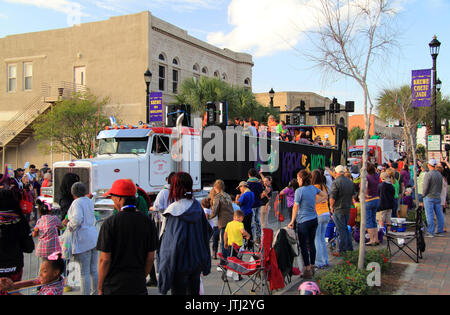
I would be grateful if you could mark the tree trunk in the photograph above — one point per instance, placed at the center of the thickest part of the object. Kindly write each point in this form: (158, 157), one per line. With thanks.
(363, 188)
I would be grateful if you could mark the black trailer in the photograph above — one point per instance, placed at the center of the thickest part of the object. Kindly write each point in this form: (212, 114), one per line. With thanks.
(283, 159)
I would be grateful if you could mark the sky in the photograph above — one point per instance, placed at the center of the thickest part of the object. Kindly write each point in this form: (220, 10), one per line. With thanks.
(274, 32)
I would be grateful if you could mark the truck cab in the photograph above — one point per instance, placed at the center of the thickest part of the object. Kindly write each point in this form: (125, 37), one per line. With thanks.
(145, 155)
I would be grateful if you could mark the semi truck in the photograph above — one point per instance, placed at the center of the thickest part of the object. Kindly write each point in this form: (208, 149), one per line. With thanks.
(147, 155)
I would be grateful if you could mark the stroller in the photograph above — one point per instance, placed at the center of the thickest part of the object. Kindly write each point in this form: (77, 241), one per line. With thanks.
(256, 267)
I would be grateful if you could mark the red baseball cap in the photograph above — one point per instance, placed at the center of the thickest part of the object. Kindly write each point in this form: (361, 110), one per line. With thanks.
(123, 188)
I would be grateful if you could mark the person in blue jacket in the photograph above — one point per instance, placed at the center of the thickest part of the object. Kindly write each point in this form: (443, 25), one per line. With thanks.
(184, 253)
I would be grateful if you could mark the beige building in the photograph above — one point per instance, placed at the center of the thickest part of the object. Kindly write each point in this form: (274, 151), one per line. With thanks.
(290, 101)
(108, 57)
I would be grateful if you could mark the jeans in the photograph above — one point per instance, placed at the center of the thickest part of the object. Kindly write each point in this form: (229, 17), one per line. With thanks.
(256, 224)
(248, 228)
(306, 234)
(88, 269)
(395, 208)
(319, 241)
(186, 284)
(345, 238)
(216, 238)
(225, 252)
(433, 207)
(371, 213)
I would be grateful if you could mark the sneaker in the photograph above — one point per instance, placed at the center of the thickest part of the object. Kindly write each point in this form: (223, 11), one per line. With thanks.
(219, 269)
(429, 235)
(439, 234)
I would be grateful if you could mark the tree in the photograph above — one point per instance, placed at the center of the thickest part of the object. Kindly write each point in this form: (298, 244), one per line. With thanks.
(71, 125)
(355, 134)
(400, 100)
(241, 102)
(348, 37)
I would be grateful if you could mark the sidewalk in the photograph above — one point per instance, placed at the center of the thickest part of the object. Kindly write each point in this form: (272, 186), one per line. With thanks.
(431, 276)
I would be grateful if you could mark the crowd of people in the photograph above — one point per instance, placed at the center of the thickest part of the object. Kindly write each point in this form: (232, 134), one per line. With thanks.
(168, 241)
(278, 129)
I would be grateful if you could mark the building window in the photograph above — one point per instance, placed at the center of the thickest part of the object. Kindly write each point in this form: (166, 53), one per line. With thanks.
(175, 61)
(195, 68)
(175, 81)
(224, 76)
(247, 81)
(12, 78)
(205, 70)
(216, 74)
(27, 76)
(162, 57)
(162, 77)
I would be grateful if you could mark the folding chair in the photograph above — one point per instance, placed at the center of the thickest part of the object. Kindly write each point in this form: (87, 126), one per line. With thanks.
(403, 240)
(251, 265)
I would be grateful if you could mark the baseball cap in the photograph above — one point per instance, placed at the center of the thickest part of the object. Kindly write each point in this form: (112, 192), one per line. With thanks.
(432, 162)
(340, 169)
(242, 184)
(123, 188)
(20, 169)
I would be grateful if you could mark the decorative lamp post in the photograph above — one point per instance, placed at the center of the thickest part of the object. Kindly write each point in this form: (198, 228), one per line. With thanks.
(148, 79)
(434, 51)
(438, 85)
(271, 94)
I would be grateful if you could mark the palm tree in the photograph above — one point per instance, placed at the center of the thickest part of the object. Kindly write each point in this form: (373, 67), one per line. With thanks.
(355, 134)
(241, 102)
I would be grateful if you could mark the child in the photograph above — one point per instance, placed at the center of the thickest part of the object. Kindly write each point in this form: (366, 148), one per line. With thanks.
(235, 232)
(50, 275)
(47, 228)
(407, 199)
(289, 192)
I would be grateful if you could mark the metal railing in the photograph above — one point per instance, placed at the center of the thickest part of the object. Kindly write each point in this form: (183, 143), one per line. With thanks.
(36, 107)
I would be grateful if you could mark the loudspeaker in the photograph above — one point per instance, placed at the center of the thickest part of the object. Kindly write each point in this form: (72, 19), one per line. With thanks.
(349, 106)
(174, 111)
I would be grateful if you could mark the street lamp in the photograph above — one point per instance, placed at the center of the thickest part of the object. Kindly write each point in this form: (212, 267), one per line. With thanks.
(438, 85)
(148, 79)
(271, 94)
(434, 51)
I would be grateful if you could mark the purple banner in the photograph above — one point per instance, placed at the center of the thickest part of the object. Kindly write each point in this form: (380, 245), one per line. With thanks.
(421, 88)
(156, 107)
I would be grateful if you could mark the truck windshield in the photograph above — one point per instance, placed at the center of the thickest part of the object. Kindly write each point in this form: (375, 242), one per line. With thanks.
(123, 146)
(356, 153)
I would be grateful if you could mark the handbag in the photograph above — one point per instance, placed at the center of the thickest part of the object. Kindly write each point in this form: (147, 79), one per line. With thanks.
(65, 240)
(25, 205)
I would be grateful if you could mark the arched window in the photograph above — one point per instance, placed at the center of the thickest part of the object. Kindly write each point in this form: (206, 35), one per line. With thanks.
(205, 70)
(216, 74)
(224, 76)
(162, 57)
(175, 61)
(196, 68)
(247, 81)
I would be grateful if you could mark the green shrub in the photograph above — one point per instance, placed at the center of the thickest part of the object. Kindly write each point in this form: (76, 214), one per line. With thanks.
(345, 279)
(380, 256)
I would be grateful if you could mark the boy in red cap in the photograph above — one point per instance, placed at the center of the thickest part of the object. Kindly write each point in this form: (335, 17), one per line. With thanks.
(127, 243)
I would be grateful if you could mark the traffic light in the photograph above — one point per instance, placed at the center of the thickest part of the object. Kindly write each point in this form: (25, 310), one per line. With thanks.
(337, 106)
(332, 107)
(302, 107)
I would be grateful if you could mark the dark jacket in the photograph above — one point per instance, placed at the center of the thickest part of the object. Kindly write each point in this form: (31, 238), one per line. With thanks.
(184, 244)
(285, 253)
(15, 238)
(386, 192)
(342, 190)
(257, 188)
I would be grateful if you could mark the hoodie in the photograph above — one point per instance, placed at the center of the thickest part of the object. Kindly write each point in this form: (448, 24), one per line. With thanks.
(184, 243)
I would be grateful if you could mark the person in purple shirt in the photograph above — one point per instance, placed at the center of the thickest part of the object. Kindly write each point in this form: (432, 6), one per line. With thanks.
(405, 175)
(372, 204)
